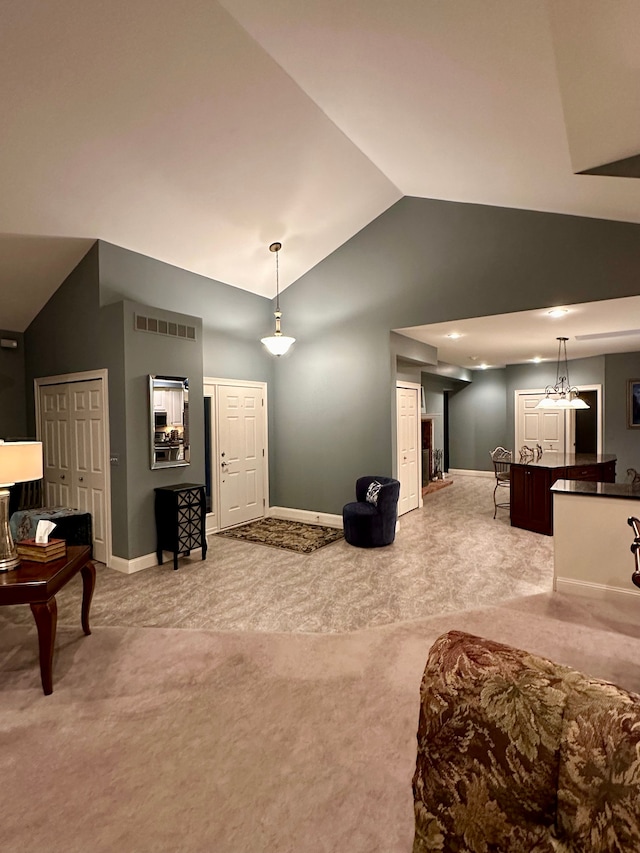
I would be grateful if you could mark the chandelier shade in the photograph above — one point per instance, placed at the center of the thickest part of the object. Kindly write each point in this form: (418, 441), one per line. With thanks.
(277, 343)
(562, 395)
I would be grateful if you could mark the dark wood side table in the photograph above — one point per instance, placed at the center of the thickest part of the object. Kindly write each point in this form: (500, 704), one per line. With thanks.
(180, 520)
(36, 584)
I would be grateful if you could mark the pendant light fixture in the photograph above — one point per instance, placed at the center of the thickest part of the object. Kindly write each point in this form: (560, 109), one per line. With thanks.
(277, 343)
(566, 396)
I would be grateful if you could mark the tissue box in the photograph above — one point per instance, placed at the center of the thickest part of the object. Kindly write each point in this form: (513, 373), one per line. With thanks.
(39, 552)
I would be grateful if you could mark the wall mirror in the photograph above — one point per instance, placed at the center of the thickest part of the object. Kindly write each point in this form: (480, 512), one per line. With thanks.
(169, 421)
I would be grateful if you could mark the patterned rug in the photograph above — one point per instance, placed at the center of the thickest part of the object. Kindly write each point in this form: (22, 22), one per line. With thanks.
(280, 533)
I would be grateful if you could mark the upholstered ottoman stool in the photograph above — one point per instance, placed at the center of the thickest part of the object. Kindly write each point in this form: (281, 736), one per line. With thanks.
(72, 525)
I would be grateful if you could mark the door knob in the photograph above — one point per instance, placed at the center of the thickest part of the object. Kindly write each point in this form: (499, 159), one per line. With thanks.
(81, 479)
(62, 476)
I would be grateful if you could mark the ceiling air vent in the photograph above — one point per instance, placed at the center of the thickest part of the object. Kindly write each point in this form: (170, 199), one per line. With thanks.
(164, 327)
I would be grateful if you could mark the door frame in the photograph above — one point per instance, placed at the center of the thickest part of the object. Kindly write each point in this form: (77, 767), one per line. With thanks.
(401, 383)
(101, 374)
(598, 388)
(213, 518)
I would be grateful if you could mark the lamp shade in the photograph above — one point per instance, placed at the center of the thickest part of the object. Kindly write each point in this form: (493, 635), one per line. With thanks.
(547, 403)
(278, 344)
(20, 461)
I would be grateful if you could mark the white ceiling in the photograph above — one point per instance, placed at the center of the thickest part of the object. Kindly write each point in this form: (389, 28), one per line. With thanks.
(592, 328)
(200, 132)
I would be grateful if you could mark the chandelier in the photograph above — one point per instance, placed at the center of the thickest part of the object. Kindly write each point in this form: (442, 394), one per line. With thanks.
(277, 343)
(562, 395)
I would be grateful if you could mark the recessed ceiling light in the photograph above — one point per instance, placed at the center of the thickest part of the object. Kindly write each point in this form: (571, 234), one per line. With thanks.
(557, 312)
(536, 360)
(483, 366)
(454, 336)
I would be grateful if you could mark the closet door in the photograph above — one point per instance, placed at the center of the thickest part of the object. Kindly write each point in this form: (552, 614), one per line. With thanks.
(72, 423)
(56, 441)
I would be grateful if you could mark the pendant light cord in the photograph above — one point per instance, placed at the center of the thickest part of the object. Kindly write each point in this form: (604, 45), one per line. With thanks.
(275, 247)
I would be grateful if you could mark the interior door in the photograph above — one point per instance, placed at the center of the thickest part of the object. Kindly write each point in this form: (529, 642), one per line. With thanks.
(545, 427)
(56, 444)
(407, 409)
(241, 443)
(72, 424)
(87, 462)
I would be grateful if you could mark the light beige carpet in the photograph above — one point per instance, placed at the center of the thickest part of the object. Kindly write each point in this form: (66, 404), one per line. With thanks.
(211, 730)
(176, 740)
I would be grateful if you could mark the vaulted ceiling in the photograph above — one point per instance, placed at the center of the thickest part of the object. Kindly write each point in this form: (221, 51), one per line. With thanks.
(199, 132)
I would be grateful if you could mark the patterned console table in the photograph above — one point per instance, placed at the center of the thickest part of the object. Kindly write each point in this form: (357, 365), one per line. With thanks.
(180, 520)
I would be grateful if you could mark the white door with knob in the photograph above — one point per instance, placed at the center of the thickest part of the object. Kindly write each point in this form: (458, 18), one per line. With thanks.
(408, 442)
(241, 453)
(545, 427)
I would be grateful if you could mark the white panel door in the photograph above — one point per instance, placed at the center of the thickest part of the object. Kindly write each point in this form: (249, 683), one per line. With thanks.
(87, 469)
(545, 427)
(407, 409)
(54, 414)
(241, 439)
(72, 426)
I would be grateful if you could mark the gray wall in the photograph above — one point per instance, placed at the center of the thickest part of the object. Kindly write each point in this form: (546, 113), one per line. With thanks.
(482, 416)
(422, 261)
(233, 321)
(145, 354)
(478, 420)
(530, 377)
(72, 334)
(13, 413)
(619, 439)
(332, 409)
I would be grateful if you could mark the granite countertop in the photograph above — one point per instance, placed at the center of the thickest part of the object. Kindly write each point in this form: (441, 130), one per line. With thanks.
(564, 460)
(589, 488)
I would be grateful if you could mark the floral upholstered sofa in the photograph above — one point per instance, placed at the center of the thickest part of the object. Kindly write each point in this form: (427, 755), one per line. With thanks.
(517, 754)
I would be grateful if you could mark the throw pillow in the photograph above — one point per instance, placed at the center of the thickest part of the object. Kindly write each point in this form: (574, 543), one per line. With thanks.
(372, 492)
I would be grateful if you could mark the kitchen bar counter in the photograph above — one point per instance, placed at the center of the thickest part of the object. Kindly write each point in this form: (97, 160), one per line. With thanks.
(604, 490)
(592, 540)
(532, 479)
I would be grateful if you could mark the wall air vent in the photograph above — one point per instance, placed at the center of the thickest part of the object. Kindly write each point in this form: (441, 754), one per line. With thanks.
(164, 327)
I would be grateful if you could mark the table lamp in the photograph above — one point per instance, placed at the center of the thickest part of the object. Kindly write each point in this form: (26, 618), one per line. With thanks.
(20, 461)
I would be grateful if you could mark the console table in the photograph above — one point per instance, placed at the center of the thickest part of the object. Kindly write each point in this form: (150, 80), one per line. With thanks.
(36, 584)
(531, 481)
(180, 520)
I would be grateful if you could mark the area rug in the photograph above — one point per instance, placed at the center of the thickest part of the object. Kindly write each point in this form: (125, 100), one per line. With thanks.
(281, 533)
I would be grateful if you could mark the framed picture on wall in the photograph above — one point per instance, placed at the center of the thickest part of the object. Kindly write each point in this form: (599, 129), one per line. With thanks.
(633, 404)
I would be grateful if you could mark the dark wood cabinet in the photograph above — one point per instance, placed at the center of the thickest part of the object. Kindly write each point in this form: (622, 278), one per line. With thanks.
(180, 520)
(531, 497)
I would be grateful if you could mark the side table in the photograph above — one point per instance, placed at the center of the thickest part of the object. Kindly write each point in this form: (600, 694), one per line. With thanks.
(36, 584)
(180, 520)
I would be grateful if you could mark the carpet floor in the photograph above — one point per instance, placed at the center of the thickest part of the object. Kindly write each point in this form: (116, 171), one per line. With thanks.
(451, 555)
(257, 740)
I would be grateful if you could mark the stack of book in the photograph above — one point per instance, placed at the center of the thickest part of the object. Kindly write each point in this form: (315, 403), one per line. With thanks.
(40, 552)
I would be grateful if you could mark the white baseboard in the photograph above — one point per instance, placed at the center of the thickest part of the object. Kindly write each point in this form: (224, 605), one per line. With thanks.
(470, 472)
(146, 561)
(306, 515)
(601, 591)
